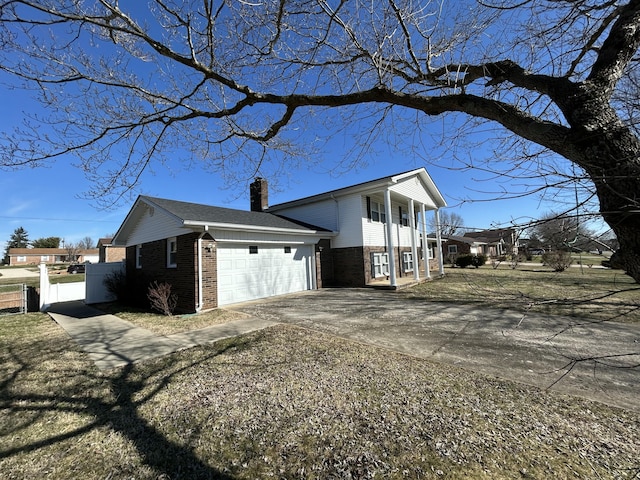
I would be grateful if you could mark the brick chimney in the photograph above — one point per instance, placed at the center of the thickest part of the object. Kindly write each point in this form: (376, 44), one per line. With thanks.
(259, 195)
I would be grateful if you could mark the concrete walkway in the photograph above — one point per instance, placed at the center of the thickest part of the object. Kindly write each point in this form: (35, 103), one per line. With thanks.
(112, 342)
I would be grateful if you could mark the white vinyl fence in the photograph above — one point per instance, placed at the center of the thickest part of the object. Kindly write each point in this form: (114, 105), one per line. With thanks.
(92, 290)
(57, 292)
(95, 274)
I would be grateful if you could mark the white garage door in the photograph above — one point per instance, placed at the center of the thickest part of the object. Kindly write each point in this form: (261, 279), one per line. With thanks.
(247, 272)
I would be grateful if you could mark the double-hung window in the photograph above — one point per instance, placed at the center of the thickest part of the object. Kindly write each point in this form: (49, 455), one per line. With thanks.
(377, 212)
(172, 252)
(404, 217)
(380, 264)
(407, 261)
(138, 256)
(453, 249)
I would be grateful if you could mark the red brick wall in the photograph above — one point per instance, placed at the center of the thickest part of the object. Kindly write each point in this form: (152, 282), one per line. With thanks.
(209, 273)
(184, 277)
(349, 267)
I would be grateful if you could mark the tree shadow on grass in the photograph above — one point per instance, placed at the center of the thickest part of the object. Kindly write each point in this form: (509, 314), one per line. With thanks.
(119, 412)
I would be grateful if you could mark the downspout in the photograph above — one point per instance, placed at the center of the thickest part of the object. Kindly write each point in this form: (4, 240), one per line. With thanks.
(439, 242)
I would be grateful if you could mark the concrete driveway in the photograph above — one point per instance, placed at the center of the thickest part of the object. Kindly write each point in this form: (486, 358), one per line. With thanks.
(599, 361)
(18, 273)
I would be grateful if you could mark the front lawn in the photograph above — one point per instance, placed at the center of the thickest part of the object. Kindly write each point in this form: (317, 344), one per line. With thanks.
(288, 403)
(599, 294)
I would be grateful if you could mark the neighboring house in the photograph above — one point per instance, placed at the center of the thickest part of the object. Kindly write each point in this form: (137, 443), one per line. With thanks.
(107, 252)
(36, 256)
(214, 256)
(491, 243)
(496, 242)
(462, 245)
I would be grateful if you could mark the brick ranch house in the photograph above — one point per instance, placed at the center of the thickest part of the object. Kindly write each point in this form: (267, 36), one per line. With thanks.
(370, 233)
(49, 256)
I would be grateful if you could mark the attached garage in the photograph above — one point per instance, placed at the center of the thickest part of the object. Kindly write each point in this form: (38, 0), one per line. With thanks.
(252, 271)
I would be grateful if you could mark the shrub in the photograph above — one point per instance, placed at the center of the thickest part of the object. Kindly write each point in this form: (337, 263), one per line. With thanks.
(161, 298)
(116, 284)
(463, 261)
(478, 260)
(470, 260)
(559, 260)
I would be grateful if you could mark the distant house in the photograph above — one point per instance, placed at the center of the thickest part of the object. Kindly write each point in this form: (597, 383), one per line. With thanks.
(355, 236)
(491, 243)
(107, 252)
(49, 256)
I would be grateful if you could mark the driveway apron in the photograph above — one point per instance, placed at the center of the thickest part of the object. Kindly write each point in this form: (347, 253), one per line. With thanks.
(595, 360)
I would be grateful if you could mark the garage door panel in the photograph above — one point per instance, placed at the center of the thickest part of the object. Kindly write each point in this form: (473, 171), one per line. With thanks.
(244, 276)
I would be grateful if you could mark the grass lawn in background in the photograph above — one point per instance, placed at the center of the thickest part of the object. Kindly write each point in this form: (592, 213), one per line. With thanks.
(288, 403)
(596, 293)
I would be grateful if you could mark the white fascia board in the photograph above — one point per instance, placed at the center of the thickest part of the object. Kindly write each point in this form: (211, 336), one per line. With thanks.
(256, 228)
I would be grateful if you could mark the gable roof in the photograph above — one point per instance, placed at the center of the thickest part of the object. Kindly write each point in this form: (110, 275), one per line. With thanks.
(199, 216)
(378, 183)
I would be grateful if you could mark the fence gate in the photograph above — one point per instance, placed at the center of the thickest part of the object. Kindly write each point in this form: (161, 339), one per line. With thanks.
(13, 299)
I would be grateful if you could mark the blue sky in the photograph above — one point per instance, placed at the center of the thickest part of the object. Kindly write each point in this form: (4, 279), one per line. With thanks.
(47, 201)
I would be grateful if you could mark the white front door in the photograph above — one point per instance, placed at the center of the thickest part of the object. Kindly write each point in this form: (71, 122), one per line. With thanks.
(248, 272)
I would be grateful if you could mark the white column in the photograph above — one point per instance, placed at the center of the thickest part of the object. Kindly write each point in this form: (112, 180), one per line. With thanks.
(414, 248)
(425, 243)
(439, 242)
(392, 258)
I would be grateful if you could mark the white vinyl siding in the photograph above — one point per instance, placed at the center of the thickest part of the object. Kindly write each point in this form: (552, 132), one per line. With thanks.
(155, 227)
(323, 214)
(412, 187)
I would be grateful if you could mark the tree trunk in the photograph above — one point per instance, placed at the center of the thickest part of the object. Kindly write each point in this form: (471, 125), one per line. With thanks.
(610, 154)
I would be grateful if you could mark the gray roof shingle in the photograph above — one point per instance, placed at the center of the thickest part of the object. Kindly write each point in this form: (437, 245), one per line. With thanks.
(208, 214)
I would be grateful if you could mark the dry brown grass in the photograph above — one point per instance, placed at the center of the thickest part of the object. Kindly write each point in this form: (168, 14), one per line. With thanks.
(288, 403)
(168, 325)
(599, 294)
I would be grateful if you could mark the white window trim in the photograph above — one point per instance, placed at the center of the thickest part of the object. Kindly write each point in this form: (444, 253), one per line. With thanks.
(377, 210)
(379, 264)
(407, 261)
(404, 217)
(138, 256)
(452, 249)
(172, 251)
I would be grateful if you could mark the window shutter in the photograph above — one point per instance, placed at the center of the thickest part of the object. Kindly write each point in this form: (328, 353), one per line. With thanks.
(399, 216)
(369, 208)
